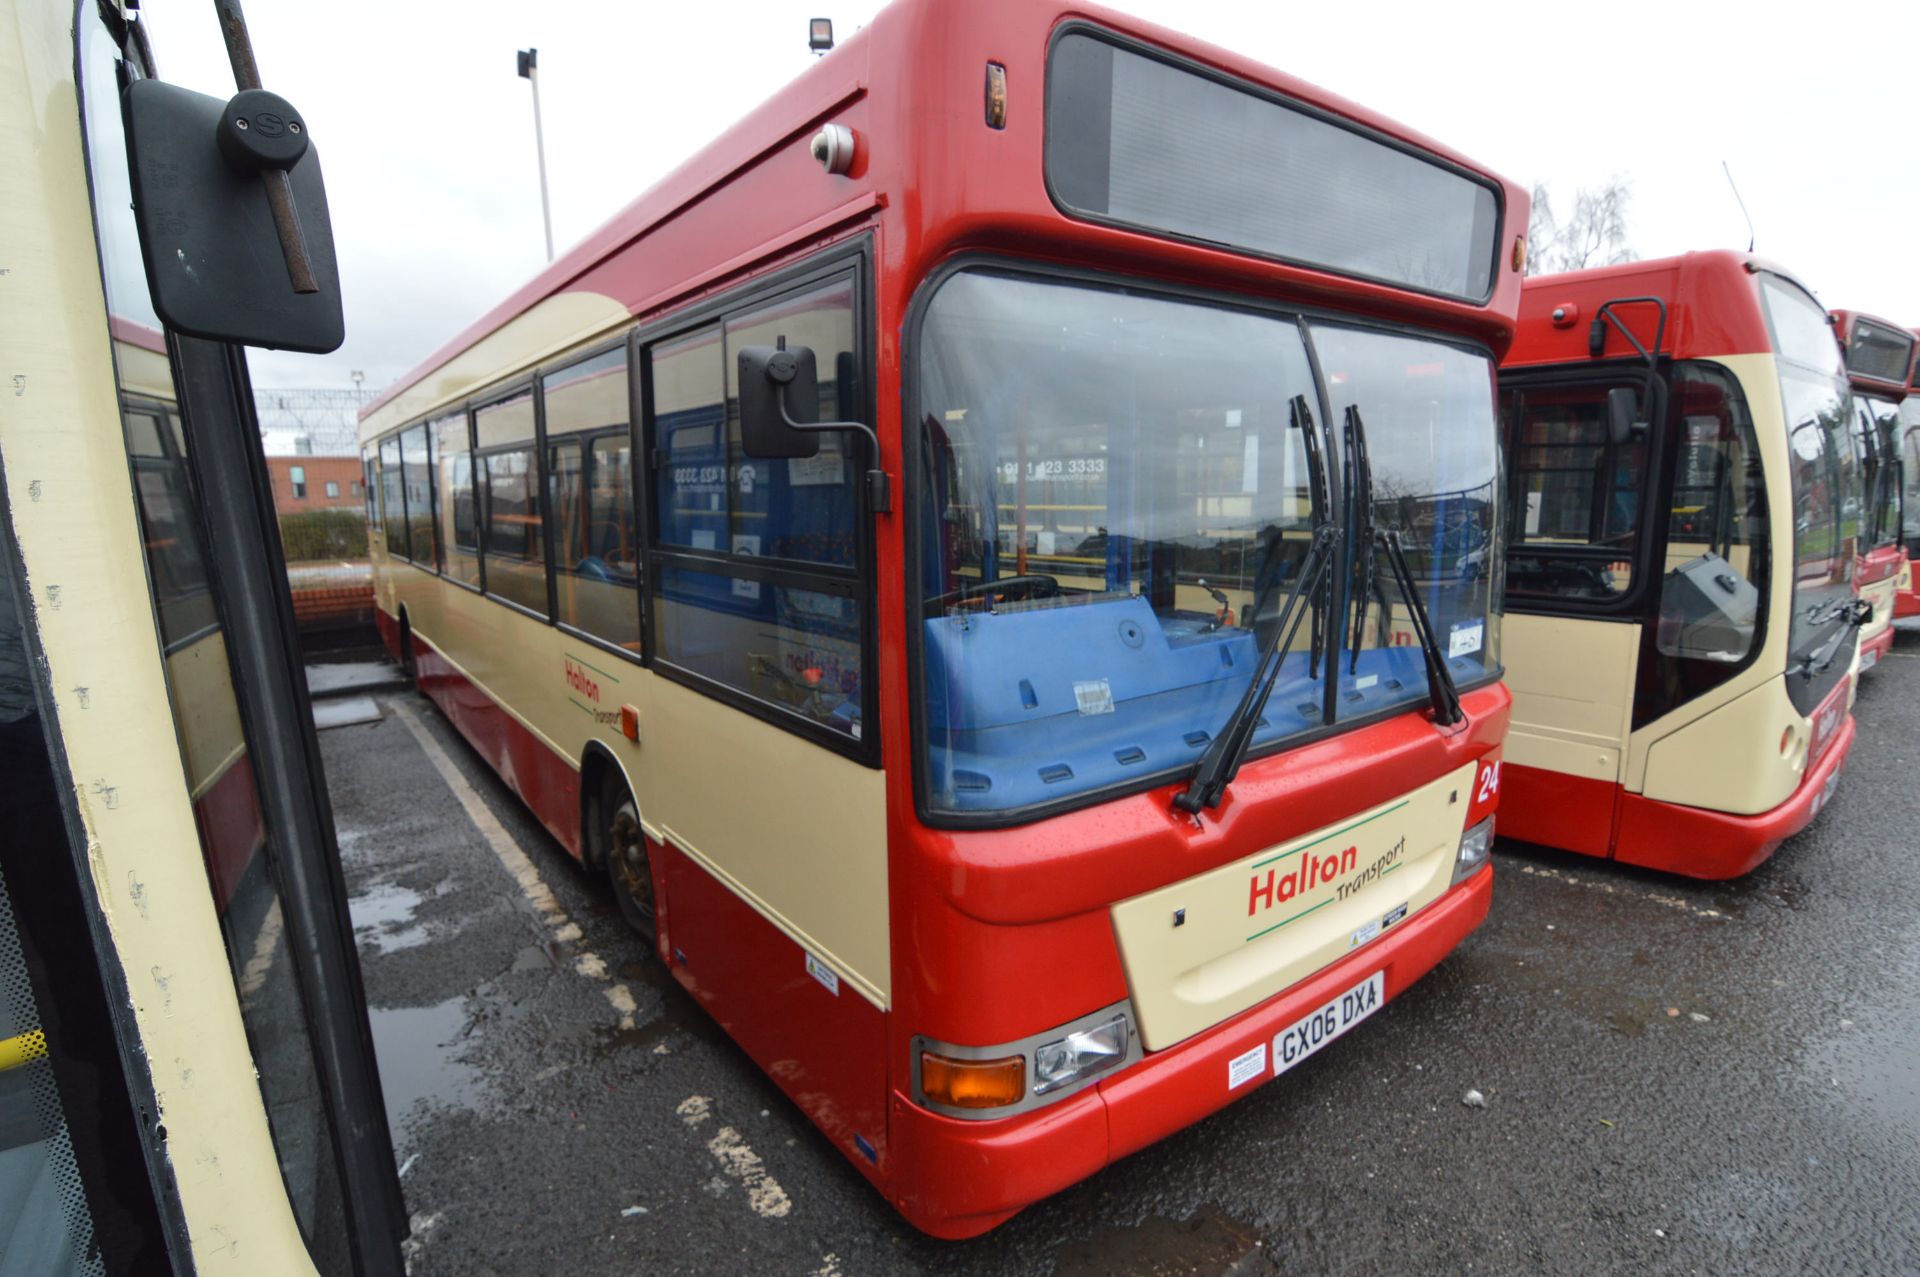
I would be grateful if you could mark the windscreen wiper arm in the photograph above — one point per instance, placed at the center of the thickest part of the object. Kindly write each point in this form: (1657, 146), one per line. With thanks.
(1311, 585)
(1855, 612)
(1373, 539)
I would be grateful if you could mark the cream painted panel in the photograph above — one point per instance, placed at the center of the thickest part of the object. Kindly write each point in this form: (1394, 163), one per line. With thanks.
(796, 830)
(1262, 924)
(208, 715)
(548, 328)
(1730, 760)
(79, 538)
(1572, 685)
(1880, 594)
(1759, 382)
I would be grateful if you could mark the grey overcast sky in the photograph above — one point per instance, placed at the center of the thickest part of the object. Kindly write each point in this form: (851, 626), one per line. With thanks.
(427, 132)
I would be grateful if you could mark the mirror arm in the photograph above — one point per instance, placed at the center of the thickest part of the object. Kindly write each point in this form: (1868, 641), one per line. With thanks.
(278, 185)
(879, 489)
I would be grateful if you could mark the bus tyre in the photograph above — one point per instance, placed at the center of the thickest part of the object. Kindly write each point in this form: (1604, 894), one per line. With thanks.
(626, 844)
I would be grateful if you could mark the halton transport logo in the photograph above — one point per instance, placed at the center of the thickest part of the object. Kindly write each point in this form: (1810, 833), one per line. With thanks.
(580, 681)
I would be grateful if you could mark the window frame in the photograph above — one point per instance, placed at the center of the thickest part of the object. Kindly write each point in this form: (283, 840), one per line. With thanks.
(493, 396)
(851, 260)
(1083, 27)
(637, 468)
(1640, 601)
(1303, 314)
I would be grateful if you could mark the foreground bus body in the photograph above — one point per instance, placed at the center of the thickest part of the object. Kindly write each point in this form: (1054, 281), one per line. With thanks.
(1668, 711)
(1879, 358)
(904, 780)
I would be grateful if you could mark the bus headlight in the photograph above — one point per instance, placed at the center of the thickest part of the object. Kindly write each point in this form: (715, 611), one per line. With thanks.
(1079, 1055)
(1476, 848)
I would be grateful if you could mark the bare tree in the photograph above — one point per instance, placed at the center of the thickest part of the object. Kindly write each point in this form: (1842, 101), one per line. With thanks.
(1594, 234)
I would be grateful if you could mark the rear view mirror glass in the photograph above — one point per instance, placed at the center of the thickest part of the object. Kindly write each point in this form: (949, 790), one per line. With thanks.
(214, 262)
(779, 396)
(1621, 411)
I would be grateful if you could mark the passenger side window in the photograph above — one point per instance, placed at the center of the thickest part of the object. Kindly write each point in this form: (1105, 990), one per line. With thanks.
(511, 536)
(459, 530)
(1576, 500)
(422, 534)
(596, 563)
(393, 502)
(757, 588)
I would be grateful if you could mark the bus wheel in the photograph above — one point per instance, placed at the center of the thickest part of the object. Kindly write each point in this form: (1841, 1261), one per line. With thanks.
(626, 845)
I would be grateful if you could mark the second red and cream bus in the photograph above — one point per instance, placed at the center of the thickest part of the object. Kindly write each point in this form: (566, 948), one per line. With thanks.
(1685, 510)
(1879, 358)
(998, 558)
(1906, 597)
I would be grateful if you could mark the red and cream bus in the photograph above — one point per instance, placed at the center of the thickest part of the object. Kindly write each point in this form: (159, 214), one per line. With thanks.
(1906, 597)
(997, 557)
(1879, 360)
(1685, 509)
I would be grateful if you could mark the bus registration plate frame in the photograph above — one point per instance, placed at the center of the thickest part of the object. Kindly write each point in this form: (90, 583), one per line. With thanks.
(1317, 1028)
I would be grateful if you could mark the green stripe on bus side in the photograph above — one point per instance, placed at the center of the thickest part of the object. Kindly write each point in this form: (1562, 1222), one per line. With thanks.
(595, 668)
(1262, 864)
(584, 708)
(1296, 917)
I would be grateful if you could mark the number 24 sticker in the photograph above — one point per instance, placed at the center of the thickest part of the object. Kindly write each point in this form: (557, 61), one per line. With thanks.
(1489, 787)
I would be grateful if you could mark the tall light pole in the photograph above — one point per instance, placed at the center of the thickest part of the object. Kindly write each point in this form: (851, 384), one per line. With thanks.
(530, 72)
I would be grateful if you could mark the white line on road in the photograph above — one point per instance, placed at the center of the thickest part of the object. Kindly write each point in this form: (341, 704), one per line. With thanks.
(737, 1160)
(265, 945)
(517, 864)
(1612, 889)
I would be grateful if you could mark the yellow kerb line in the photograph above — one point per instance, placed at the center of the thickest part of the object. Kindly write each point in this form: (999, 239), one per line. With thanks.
(24, 1049)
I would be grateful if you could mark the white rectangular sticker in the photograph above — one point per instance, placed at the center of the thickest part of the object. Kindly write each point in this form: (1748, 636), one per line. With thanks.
(1306, 1035)
(1242, 1069)
(824, 974)
(1465, 639)
(1867, 660)
(1095, 697)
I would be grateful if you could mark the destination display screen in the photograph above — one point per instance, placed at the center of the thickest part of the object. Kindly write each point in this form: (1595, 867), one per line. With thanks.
(1138, 141)
(1879, 351)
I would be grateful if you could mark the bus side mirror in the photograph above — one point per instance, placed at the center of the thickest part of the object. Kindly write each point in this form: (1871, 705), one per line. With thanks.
(1620, 415)
(780, 413)
(215, 266)
(779, 402)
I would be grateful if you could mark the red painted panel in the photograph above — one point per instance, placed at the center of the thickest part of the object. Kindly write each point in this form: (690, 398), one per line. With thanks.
(1554, 809)
(1878, 564)
(1907, 602)
(227, 817)
(1711, 844)
(826, 1050)
(1713, 309)
(1844, 323)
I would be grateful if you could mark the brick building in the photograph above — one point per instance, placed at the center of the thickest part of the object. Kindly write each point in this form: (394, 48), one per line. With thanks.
(315, 483)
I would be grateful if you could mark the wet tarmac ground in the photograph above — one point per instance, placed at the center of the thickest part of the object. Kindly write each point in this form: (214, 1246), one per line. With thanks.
(1678, 1076)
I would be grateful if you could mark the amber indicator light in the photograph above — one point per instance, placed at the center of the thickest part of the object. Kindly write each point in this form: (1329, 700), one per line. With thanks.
(973, 1084)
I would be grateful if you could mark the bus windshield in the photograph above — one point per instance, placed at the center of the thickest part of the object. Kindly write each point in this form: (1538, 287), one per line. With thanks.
(1116, 496)
(1828, 497)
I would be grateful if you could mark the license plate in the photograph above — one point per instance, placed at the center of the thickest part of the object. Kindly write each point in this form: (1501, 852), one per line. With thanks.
(1826, 792)
(1868, 660)
(1306, 1035)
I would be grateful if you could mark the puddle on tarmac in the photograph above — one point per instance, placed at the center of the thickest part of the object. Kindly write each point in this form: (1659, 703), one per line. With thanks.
(383, 917)
(417, 1049)
(1207, 1245)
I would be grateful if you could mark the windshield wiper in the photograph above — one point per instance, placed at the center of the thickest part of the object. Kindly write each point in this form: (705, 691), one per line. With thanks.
(1312, 589)
(1855, 612)
(1371, 539)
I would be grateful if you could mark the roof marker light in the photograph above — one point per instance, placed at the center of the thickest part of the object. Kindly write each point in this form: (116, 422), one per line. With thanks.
(996, 96)
(820, 34)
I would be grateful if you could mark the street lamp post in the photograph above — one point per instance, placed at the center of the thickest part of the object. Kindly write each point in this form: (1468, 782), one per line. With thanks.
(530, 72)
